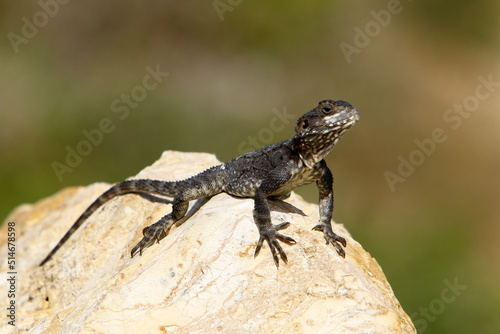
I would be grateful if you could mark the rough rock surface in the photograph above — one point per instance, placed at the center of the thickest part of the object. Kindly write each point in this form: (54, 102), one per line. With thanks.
(202, 278)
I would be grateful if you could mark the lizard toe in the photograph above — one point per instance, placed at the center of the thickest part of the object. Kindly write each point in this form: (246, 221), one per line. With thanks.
(152, 234)
(271, 237)
(331, 238)
(286, 239)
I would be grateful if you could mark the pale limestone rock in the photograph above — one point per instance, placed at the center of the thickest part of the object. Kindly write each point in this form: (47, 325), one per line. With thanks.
(202, 278)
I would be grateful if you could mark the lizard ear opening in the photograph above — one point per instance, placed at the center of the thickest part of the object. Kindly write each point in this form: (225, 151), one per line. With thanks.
(304, 124)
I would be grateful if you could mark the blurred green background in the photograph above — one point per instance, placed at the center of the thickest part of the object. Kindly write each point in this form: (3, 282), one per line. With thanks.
(408, 66)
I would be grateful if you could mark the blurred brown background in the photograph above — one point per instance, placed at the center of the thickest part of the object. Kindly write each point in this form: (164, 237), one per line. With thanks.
(417, 179)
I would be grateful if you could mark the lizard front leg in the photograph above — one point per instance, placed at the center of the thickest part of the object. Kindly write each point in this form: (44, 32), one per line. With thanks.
(325, 187)
(262, 216)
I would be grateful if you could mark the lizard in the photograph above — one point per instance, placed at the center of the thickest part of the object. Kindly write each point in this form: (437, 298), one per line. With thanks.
(267, 173)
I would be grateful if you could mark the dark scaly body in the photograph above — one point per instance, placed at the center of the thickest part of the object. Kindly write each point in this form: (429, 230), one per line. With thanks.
(271, 172)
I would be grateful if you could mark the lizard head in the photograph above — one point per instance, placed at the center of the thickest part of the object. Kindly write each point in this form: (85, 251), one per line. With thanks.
(319, 130)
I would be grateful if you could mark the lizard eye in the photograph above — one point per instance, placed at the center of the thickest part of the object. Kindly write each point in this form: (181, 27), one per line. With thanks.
(327, 109)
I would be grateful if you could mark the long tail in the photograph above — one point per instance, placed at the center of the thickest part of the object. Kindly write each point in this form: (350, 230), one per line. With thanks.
(131, 186)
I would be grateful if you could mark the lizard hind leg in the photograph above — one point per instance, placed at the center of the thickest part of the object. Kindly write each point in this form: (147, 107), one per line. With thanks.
(153, 233)
(159, 230)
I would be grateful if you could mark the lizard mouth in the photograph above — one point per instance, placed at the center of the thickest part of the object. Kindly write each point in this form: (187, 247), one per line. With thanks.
(337, 125)
(343, 120)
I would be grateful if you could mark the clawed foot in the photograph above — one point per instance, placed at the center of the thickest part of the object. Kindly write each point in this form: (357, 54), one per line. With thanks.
(270, 236)
(332, 238)
(153, 233)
